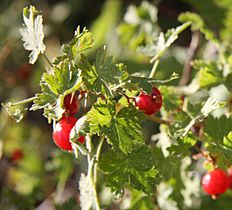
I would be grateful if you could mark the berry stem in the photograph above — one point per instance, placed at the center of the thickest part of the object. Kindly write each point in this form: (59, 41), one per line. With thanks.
(126, 96)
(28, 100)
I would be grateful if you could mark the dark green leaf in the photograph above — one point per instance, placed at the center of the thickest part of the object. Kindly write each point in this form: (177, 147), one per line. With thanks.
(228, 82)
(217, 128)
(135, 169)
(103, 75)
(121, 126)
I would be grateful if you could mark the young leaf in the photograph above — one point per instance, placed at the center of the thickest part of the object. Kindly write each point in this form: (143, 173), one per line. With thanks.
(81, 42)
(135, 169)
(122, 128)
(32, 33)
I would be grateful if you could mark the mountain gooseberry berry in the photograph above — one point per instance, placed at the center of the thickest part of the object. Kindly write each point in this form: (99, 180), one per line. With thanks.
(150, 104)
(230, 177)
(215, 182)
(157, 98)
(71, 104)
(17, 155)
(62, 131)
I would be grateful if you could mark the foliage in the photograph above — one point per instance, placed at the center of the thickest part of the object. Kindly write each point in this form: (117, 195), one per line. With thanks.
(159, 167)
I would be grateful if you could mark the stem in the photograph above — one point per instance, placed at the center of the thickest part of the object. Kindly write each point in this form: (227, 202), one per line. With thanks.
(28, 100)
(190, 55)
(91, 165)
(118, 86)
(159, 120)
(157, 57)
(153, 70)
(47, 60)
(97, 158)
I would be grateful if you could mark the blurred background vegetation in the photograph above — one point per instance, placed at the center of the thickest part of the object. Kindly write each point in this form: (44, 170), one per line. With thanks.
(34, 173)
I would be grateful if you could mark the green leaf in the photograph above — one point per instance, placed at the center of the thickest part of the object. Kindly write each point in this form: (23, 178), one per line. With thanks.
(228, 82)
(227, 140)
(102, 75)
(218, 128)
(181, 121)
(139, 201)
(197, 24)
(81, 42)
(209, 73)
(171, 101)
(55, 85)
(222, 155)
(135, 169)
(121, 126)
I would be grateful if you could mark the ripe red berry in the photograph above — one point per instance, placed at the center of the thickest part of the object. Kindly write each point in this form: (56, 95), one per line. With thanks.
(230, 177)
(71, 104)
(215, 182)
(17, 155)
(150, 104)
(157, 98)
(62, 131)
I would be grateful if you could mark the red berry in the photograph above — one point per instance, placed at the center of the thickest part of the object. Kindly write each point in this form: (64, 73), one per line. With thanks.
(157, 98)
(230, 177)
(71, 104)
(150, 104)
(215, 182)
(62, 131)
(17, 155)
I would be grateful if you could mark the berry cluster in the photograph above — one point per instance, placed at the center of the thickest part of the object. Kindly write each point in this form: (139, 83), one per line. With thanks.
(63, 128)
(149, 103)
(216, 182)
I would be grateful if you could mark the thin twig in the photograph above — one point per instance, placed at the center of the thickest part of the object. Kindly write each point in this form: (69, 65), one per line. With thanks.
(154, 67)
(47, 60)
(28, 100)
(159, 120)
(190, 55)
(126, 96)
